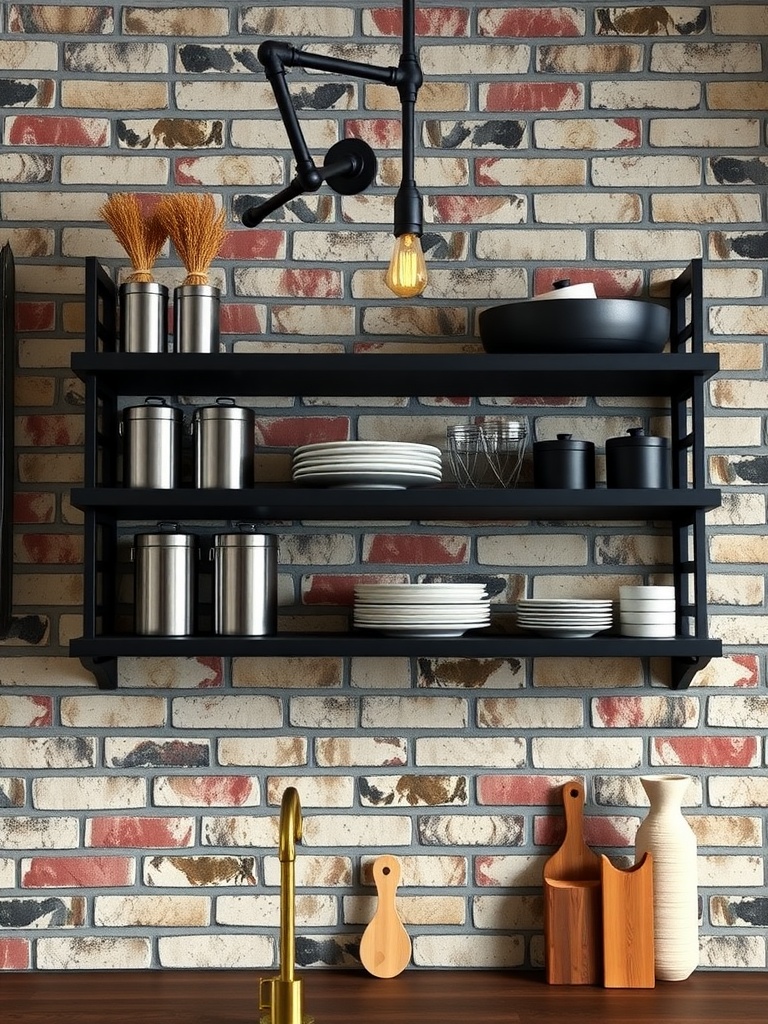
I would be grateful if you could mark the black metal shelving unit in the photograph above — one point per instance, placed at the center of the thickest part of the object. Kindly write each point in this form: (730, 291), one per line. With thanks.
(678, 375)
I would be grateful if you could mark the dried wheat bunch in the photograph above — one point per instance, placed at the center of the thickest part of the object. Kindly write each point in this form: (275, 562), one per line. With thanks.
(142, 237)
(196, 229)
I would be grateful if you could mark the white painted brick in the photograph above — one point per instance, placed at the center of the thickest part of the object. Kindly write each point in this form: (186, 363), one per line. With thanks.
(414, 713)
(738, 791)
(94, 953)
(349, 751)
(287, 672)
(433, 871)
(312, 871)
(324, 712)
(277, 751)
(624, 246)
(748, 712)
(45, 752)
(743, 952)
(461, 951)
(577, 753)
(123, 170)
(508, 912)
(704, 132)
(105, 711)
(705, 58)
(412, 910)
(532, 550)
(467, 59)
(155, 911)
(510, 871)
(29, 55)
(313, 790)
(50, 833)
(387, 673)
(88, 793)
(245, 711)
(726, 830)
(735, 589)
(566, 208)
(657, 171)
(649, 95)
(339, 830)
(736, 871)
(471, 751)
(525, 713)
(530, 245)
(215, 951)
(263, 911)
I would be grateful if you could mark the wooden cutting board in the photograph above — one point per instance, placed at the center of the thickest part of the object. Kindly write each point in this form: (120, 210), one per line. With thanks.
(628, 924)
(572, 902)
(385, 948)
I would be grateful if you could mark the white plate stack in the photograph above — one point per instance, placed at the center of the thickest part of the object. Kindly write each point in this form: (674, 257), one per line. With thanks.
(565, 617)
(385, 465)
(422, 609)
(647, 611)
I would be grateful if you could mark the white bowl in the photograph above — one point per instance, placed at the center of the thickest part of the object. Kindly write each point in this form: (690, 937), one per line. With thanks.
(628, 629)
(648, 618)
(638, 604)
(650, 592)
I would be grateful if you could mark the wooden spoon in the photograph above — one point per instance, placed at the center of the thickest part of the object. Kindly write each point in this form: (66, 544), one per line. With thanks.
(385, 947)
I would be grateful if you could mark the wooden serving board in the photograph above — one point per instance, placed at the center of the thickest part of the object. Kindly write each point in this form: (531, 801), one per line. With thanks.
(628, 924)
(385, 947)
(572, 902)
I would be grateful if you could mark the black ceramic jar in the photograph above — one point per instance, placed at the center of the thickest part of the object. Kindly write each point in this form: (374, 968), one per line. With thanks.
(564, 462)
(637, 459)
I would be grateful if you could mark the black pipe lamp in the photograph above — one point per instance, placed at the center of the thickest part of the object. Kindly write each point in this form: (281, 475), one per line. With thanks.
(350, 165)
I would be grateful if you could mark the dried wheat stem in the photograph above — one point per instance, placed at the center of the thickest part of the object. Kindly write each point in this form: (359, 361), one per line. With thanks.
(196, 229)
(142, 237)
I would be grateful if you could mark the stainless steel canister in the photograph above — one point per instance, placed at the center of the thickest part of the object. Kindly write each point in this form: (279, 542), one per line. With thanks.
(143, 317)
(223, 436)
(245, 584)
(152, 435)
(196, 318)
(164, 584)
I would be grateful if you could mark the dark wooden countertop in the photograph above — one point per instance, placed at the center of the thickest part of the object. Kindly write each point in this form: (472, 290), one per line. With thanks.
(354, 997)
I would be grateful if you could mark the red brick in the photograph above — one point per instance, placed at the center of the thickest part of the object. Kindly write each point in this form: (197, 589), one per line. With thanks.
(15, 955)
(707, 751)
(751, 666)
(513, 96)
(212, 790)
(315, 284)
(49, 431)
(410, 549)
(52, 548)
(35, 316)
(466, 210)
(296, 430)
(380, 132)
(247, 244)
(598, 831)
(34, 507)
(522, 790)
(528, 22)
(339, 590)
(70, 132)
(77, 872)
(440, 21)
(140, 833)
(239, 318)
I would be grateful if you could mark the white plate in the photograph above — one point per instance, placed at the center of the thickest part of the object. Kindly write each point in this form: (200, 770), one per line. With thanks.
(567, 632)
(419, 601)
(377, 480)
(374, 461)
(562, 602)
(370, 466)
(428, 591)
(367, 446)
(576, 620)
(424, 631)
(412, 615)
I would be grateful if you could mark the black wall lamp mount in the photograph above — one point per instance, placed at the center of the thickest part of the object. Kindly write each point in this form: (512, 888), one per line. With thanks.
(350, 165)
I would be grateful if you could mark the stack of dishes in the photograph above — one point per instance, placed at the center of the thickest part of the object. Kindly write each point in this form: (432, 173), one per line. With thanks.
(386, 465)
(647, 611)
(422, 609)
(564, 617)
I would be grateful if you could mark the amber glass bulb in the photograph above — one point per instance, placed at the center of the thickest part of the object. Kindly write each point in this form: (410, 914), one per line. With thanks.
(407, 272)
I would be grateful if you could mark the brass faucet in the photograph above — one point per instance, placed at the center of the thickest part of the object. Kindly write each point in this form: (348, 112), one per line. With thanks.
(283, 996)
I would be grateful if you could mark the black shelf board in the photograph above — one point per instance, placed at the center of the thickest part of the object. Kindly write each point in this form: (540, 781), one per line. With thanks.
(307, 503)
(359, 644)
(253, 374)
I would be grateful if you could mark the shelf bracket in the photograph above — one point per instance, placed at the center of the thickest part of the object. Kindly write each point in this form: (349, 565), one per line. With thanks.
(682, 670)
(103, 669)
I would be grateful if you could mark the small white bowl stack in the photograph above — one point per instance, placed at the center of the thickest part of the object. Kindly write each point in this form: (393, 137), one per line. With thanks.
(422, 609)
(647, 611)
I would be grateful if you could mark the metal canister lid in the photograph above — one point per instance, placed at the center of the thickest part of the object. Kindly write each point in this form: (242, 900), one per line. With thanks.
(164, 540)
(143, 288)
(224, 409)
(636, 437)
(244, 540)
(154, 408)
(564, 442)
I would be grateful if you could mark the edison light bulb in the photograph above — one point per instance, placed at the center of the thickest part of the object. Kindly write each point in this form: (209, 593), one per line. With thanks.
(407, 272)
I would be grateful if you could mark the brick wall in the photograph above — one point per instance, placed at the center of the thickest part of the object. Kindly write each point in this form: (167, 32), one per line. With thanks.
(138, 828)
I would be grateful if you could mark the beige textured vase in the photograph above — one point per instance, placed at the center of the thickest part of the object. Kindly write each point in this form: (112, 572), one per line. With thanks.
(668, 837)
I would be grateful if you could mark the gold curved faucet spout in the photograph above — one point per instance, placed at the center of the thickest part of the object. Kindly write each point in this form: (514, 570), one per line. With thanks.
(283, 996)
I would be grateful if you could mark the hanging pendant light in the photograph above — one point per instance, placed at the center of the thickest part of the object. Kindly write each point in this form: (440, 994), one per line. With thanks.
(350, 165)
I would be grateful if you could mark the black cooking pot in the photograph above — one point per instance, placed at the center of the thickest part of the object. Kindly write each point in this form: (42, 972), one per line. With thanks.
(575, 325)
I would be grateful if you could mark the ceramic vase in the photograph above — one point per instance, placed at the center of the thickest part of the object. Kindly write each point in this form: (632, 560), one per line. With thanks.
(668, 837)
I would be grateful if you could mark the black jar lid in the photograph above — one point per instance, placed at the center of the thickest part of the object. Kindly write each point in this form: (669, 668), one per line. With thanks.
(564, 443)
(636, 437)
